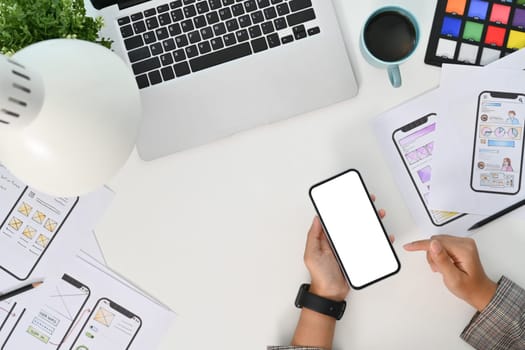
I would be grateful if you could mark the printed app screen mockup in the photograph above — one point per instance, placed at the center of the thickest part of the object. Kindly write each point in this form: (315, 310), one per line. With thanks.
(109, 327)
(29, 228)
(415, 146)
(498, 147)
(8, 314)
(47, 328)
(352, 225)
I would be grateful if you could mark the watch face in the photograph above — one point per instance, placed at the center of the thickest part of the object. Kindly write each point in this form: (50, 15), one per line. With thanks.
(342, 311)
(300, 295)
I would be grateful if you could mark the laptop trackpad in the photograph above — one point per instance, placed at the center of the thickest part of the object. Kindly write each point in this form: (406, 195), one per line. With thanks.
(242, 94)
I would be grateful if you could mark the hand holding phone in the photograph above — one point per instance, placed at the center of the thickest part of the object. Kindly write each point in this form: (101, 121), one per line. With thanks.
(327, 280)
(353, 229)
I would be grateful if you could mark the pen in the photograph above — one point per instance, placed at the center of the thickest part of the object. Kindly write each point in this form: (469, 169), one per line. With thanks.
(497, 215)
(19, 291)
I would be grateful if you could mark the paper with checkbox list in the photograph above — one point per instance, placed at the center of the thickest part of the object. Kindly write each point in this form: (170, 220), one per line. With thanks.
(82, 304)
(86, 306)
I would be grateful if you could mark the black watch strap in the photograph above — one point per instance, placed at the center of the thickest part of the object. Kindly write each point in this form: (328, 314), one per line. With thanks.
(328, 307)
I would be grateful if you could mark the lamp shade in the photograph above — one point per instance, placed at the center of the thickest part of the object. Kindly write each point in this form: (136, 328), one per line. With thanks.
(70, 114)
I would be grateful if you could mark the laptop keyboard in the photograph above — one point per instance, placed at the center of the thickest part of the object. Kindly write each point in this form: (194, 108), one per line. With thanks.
(187, 36)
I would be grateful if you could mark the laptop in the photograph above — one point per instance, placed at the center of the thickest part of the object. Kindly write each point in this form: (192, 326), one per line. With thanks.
(207, 69)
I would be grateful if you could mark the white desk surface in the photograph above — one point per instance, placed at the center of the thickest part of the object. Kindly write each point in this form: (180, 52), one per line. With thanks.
(218, 232)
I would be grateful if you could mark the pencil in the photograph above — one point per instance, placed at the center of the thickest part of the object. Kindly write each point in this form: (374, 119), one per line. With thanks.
(497, 215)
(19, 291)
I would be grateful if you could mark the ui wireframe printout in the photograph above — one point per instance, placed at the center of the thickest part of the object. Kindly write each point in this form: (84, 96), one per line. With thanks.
(415, 145)
(498, 143)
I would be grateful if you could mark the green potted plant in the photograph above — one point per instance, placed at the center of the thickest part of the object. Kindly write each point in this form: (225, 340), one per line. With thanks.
(25, 22)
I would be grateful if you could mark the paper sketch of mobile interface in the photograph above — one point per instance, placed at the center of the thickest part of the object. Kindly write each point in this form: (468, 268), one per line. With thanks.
(5, 310)
(46, 326)
(28, 229)
(10, 190)
(110, 326)
(415, 144)
(498, 147)
(8, 315)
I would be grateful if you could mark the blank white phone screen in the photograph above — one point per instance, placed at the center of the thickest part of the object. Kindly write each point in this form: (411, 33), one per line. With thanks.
(352, 225)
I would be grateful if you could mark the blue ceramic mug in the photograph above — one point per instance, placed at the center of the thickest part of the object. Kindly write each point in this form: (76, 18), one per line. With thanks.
(389, 37)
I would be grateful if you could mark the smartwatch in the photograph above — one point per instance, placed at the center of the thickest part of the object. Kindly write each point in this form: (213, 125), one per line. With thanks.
(328, 307)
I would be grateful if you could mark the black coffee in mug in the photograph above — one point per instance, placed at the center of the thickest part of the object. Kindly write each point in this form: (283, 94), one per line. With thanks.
(390, 36)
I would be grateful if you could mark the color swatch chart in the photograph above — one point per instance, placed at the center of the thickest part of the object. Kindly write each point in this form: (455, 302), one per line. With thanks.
(476, 32)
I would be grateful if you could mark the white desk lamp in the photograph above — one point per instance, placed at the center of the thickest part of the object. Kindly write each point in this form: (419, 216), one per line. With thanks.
(69, 115)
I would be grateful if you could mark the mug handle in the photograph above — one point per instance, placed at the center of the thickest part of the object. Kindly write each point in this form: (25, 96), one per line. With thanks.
(395, 75)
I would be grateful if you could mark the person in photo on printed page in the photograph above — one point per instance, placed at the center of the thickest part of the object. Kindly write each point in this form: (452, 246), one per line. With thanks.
(499, 322)
(512, 118)
(506, 166)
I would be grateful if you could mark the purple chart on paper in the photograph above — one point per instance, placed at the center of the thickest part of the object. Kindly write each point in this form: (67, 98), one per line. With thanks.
(424, 174)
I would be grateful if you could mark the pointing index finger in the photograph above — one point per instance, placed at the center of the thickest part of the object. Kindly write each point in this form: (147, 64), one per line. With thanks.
(423, 244)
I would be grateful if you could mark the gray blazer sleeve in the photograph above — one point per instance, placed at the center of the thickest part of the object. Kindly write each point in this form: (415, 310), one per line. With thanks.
(292, 348)
(501, 325)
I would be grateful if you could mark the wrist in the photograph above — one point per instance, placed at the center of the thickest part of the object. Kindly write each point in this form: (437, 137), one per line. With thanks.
(333, 293)
(328, 307)
(484, 295)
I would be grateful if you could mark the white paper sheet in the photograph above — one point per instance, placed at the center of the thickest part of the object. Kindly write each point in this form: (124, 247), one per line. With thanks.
(515, 60)
(36, 259)
(11, 309)
(87, 306)
(92, 248)
(456, 184)
(385, 126)
(39, 230)
(96, 262)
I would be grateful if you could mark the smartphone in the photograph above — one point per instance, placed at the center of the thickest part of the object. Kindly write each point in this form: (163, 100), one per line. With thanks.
(28, 230)
(50, 325)
(110, 326)
(354, 229)
(415, 145)
(498, 143)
